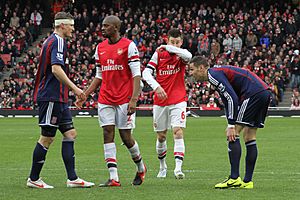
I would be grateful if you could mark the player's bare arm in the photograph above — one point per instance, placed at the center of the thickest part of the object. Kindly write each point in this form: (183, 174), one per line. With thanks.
(62, 77)
(135, 95)
(96, 83)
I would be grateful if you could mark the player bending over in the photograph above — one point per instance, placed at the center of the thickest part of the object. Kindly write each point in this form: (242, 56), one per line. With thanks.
(246, 98)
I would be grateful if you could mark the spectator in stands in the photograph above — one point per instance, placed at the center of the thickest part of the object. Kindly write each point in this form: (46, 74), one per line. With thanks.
(265, 40)
(215, 47)
(227, 42)
(14, 21)
(295, 71)
(251, 40)
(211, 103)
(237, 43)
(203, 44)
(295, 105)
(36, 18)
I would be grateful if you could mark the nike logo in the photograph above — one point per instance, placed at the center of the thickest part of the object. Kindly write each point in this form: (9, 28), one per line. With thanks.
(81, 183)
(101, 53)
(232, 184)
(38, 185)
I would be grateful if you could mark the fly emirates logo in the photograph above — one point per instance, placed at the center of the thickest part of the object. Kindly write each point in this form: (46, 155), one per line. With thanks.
(169, 71)
(111, 66)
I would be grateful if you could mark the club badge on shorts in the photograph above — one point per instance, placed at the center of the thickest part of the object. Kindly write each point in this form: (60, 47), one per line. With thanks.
(53, 120)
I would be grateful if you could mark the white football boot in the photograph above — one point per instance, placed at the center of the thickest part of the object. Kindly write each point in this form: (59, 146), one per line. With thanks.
(179, 174)
(79, 183)
(162, 173)
(38, 184)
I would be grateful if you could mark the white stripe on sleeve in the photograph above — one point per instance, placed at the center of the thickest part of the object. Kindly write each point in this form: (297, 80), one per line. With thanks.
(136, 65)
(213, 80)
(230, 108)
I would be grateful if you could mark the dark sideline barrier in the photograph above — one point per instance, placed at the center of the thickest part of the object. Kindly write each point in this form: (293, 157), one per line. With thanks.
(140, 113)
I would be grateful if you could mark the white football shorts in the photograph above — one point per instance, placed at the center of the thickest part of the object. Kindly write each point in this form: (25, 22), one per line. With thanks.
(167, 117)
(115, 115)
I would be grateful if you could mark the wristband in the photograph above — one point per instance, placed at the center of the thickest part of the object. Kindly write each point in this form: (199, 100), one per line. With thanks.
(230, 126)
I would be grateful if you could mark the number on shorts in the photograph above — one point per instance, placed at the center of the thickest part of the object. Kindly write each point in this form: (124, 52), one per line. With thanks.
(129, 118)
(182, 115)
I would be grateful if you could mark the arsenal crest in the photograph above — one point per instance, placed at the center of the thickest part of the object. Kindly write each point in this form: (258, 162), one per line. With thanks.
(120, 51)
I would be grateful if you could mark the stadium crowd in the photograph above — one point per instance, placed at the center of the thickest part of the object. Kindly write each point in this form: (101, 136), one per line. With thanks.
(262, 38)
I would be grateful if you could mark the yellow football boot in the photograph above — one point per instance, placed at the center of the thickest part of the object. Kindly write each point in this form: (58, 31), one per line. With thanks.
(229, 183)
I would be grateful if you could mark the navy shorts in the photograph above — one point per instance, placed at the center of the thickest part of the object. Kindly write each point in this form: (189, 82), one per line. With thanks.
(252, 112)
(53, 115)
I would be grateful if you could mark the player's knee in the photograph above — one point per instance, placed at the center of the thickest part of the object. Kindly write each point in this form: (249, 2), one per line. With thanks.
(248, 138)
(178, 133)
(108, 134)
(46, 141)
(64, 128)
(249, 134)
(71, 134)
(162, 136)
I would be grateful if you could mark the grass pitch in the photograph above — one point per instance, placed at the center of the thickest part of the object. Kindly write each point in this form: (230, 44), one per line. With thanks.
(277, 174)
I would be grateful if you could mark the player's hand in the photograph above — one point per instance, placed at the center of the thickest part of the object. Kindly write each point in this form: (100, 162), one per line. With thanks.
(161, 94)
(230, 133)
(80, 94)
(131, 107)
(78, 103)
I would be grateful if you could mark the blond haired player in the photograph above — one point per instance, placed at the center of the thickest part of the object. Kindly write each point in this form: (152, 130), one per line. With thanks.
(51, 94)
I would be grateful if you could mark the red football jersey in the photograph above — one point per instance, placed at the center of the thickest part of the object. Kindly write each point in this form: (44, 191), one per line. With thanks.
(170, 70)
(117, 81)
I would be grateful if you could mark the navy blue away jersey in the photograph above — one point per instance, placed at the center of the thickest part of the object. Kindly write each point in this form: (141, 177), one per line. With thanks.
(235, 85)
(47, 87)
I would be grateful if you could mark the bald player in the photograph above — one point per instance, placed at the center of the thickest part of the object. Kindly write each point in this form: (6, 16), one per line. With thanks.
(118, 75)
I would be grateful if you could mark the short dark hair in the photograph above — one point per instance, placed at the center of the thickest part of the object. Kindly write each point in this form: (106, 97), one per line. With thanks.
(63, 15)
(199, 60)
(175, 33)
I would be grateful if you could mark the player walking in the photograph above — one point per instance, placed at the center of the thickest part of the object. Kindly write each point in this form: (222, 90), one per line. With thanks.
(119, 75)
